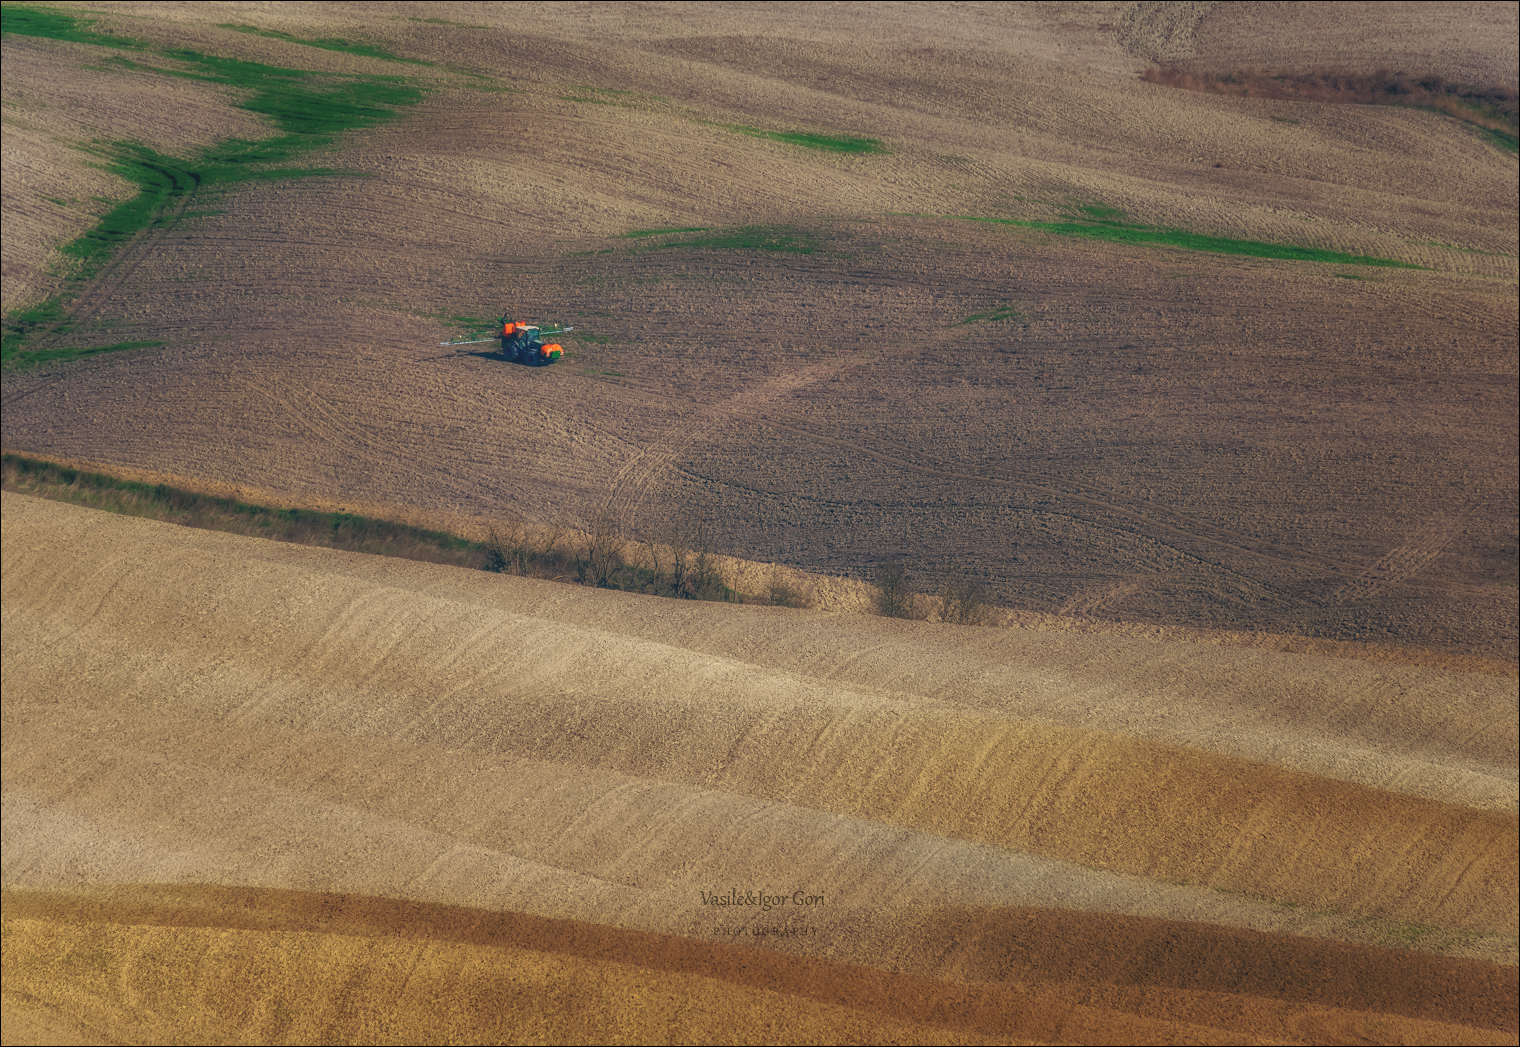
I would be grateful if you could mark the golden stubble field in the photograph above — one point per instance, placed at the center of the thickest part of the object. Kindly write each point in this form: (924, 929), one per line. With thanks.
(399, 801)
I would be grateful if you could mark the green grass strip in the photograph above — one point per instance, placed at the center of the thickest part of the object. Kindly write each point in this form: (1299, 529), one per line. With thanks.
(808, 140)
(1503, 139)
(42, 356)
(1007, 312)
(22, 323)
(1143, 234)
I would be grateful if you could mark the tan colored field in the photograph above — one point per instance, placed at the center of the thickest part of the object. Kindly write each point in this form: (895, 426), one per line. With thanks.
(304, 769)
(390, 801)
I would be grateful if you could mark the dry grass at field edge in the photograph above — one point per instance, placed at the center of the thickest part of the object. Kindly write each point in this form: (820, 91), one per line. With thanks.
(839, 594)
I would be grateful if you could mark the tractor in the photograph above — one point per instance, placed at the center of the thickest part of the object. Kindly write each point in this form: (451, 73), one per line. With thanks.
(522, 343)
(525, 343)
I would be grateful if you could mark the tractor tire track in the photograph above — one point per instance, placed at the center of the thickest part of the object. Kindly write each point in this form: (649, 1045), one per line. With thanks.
(317, 418)
(1428, 542)
(32, 390)
(104, 286)
(636, 479)
(1184, 530)
(1092, 602)
(1221, 540)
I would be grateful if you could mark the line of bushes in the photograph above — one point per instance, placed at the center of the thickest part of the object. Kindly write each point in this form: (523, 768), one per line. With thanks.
(1495, 110)
(684, 566)
(683, 563)
(961, 600)
(335, 530)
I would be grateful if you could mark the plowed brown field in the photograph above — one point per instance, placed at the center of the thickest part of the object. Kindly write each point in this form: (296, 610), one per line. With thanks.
(398, 802)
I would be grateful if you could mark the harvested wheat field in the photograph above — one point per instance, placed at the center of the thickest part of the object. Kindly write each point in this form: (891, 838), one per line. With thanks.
(1213, 394)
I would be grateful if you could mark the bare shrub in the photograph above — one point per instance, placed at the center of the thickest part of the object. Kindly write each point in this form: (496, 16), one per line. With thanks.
(544, 548)
(695, 568)
(515, 548)
(704, 577)
(507, 548)
(785, 591)
(648, 558)
(896, 593)
(963, 601)
(601, 553)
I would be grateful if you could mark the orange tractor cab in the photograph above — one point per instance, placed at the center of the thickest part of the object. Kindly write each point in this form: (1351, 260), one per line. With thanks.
(525, 343)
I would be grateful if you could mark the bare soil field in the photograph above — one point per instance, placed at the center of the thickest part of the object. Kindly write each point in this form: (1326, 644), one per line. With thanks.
(494, 808)
(1476, 43)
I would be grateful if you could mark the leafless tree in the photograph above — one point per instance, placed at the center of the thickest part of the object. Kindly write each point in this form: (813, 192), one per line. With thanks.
(963, 601)
(896, 594)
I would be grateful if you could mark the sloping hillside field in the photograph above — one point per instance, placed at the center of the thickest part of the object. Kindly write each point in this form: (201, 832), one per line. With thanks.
(394, 799)
(944, 286)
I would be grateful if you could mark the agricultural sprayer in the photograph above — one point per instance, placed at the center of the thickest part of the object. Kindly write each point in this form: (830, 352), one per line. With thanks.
(522, 342)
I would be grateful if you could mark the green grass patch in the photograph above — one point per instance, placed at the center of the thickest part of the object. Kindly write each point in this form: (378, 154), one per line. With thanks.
(751, 238)
(42, 356)
(808, 140)
(1007, 312)
(1101, 213)
(21, 323)
(159, 180)
(55, 25)
(1122, 232)
(308, 111)
(1503, 139)
(306, 105)
(348, 47)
